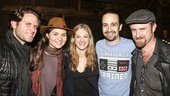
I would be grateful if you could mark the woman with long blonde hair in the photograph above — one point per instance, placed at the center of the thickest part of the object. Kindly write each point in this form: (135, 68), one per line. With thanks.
(81, 70)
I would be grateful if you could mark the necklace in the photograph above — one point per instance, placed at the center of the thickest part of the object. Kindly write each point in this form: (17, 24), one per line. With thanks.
(51, 50)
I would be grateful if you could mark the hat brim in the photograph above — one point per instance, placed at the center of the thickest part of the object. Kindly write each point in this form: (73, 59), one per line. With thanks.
(44, 28)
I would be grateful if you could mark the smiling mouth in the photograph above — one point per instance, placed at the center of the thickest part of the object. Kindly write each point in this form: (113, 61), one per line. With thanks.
(30, 35)
(107, 32)
(110, 32)
(59, 43)
(139, 39)
(82, 44)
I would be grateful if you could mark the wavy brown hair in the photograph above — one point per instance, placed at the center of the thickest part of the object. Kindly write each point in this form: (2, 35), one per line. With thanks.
(38, 51)
(90, 51)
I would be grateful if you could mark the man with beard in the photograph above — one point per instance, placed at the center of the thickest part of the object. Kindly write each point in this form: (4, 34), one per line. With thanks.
(151, 58)
(114, 57)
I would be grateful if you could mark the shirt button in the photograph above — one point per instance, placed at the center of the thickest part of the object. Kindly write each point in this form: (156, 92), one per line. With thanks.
(142, 90)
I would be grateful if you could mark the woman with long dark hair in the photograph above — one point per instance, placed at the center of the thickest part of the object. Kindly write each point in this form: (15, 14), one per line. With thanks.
(46, 57)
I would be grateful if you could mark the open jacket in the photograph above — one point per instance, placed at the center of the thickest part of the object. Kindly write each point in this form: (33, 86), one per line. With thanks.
(92, 77)
(14, 67)
(162, 65)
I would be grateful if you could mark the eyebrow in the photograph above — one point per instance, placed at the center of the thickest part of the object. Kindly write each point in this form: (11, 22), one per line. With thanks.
(111, 23)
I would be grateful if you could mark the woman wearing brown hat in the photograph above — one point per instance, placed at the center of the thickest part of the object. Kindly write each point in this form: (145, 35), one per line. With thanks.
(46, 57)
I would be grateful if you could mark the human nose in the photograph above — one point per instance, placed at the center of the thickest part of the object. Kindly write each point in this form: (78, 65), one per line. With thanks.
(33, 29)
(109, 28)
(81, 39)
(138, 34)
(59, 37)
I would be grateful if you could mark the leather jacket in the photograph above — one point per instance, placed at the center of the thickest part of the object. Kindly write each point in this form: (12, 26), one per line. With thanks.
(14, 69)
(162, 65)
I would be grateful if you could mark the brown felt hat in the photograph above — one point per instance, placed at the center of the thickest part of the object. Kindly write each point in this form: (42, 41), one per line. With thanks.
(55, 22)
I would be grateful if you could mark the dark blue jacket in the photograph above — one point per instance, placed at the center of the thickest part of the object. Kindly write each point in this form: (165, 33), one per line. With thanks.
(92, 77)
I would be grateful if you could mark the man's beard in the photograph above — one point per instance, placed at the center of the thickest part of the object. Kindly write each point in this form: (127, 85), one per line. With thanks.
(111, 38)
(140, 42)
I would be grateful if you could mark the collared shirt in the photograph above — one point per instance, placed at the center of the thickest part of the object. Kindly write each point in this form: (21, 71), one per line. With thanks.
(147, 76)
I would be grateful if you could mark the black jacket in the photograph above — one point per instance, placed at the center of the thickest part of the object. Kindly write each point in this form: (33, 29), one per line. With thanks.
(92, 77)
(14, 67)
(162, 65)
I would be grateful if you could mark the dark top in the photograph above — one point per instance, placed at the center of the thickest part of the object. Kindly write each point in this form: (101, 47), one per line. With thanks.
(147, 76)
(82, 86)
(162, 65)
(14, 67)
(90, 76)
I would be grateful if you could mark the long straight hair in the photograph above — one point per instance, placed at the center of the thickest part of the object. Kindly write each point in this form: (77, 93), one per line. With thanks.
(90, 51)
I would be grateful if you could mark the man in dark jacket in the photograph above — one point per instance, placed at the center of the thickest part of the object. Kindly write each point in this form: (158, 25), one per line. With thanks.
(15, 54)
(151, 58)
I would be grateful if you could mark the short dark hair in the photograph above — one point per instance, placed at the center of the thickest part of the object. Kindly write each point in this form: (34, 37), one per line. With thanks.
(114, 12)
(18, 14)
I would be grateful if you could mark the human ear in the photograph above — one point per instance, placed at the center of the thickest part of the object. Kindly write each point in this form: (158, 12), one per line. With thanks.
(13, 24)
(154, 27)
(47, 35)
(120, 27)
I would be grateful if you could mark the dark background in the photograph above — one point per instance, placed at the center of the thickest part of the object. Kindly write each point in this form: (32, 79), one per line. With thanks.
(87, 11)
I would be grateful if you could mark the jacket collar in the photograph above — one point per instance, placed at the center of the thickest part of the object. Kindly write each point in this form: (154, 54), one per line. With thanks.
(164, 50)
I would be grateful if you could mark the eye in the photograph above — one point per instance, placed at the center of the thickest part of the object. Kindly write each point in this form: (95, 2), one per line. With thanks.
(133, 30)
(55, 33)
(77, 36)
(64, 35)
(142, 28)
(35, 26)
(28, 24)
(104, 25)
(114, 24)
(86, 36)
